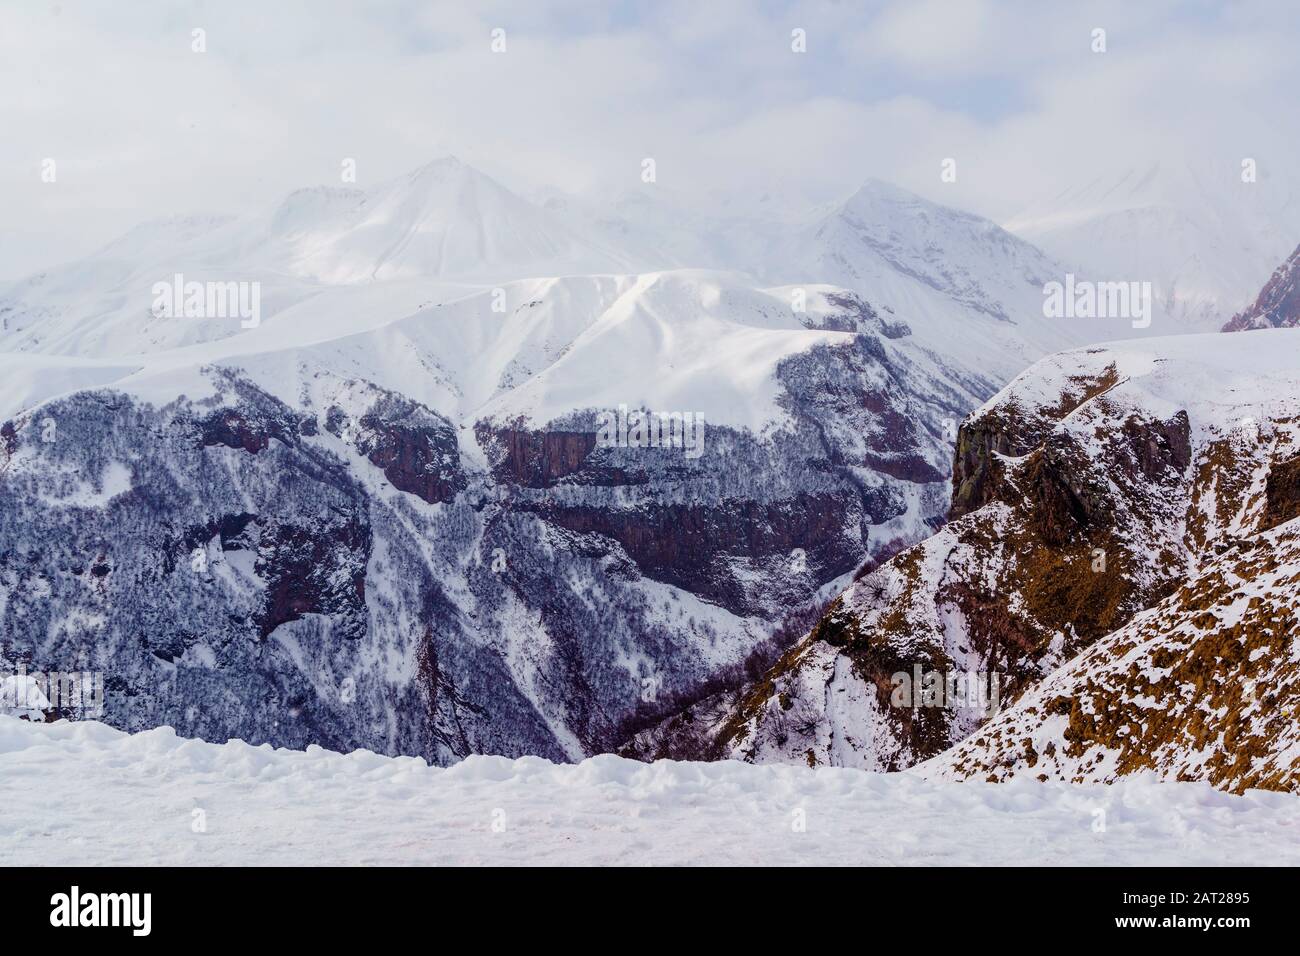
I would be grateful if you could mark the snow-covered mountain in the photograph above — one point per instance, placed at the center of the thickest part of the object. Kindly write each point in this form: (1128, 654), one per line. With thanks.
(392, 513)
(408, 536)
(445, 219)
(937, 267)
(330, 256)
(1202, 236)
(395, 481)
(1119, 558)
(444, 223)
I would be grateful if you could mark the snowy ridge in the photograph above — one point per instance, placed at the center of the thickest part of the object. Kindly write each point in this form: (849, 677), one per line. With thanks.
(687, 340)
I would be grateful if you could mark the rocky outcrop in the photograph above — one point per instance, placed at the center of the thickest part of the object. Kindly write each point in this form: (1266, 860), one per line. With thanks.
(1278, 304)
(1010, 431)
(695, 547)
(1081, 496)
(416, 448)
(849, 312)
(317, 568)
(536, 458)
(249, 421)
(1281, 494)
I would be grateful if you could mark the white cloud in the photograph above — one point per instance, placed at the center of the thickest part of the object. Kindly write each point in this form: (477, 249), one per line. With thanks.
(140, 126)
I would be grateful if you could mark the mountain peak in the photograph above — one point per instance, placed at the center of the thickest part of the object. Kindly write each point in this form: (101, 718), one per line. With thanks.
(440, 166)
(875, 188)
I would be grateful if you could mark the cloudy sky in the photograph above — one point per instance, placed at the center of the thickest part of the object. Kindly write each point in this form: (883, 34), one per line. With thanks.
(140, 125)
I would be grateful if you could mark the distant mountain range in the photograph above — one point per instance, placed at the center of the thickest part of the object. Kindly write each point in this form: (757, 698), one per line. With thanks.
(383, 513)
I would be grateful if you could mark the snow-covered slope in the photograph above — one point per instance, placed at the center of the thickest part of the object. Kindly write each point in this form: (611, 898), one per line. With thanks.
(1088, 490)
(882, 232)
(1205, 239)
(444, 219)
(1204, 686)
(967, 288)
(443, 223)
(153, 798)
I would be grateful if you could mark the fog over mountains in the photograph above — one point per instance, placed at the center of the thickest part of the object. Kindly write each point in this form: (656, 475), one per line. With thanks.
(1203, 232)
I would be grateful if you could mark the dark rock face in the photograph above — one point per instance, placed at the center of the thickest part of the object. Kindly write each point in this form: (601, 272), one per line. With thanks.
(1278, 303)
(1282, 494)
(314, 569)
(1064, 502)
(8, 439)
(250, 424)
(1011, 431)
(883, 426)
(1160, 447)
(738, 527)
(691, 546)
(416, 449)
(539, 459)
(855, 314)
(1071, 494)
(231, 429)
(977, 474)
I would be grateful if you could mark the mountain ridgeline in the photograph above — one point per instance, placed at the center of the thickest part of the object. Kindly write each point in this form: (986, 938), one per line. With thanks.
(384, 513)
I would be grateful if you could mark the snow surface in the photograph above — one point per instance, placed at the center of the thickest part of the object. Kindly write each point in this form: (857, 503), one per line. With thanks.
(83, 793)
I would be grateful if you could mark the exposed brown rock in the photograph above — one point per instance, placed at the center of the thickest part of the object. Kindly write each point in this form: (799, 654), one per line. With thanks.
(538, 459)
(1282, 494)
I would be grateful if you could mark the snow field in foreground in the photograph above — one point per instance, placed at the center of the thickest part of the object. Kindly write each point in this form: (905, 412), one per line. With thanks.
(84, 793)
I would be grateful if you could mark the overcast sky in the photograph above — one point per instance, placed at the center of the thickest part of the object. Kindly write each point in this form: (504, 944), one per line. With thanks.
(140, 126)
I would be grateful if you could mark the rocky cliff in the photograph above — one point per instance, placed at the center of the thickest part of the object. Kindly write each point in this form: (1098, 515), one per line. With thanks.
(1093, 501)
